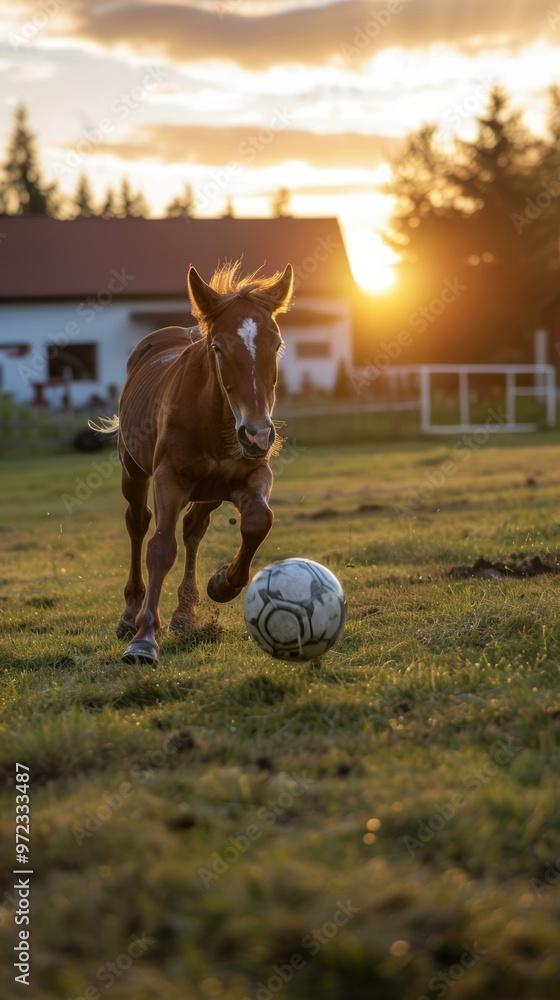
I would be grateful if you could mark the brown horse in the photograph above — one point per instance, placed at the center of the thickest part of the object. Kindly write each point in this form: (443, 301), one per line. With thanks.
(195, 416)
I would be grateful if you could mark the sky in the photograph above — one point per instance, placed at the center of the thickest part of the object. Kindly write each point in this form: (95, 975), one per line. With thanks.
(241, 97)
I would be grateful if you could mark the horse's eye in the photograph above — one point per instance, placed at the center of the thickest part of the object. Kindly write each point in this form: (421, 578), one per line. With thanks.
(216, 349)
(279, 346)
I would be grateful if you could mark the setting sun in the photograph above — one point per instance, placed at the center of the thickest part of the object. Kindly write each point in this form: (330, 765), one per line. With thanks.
(371, 260)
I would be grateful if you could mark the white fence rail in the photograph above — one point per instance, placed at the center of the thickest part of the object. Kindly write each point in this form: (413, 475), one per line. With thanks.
(39, 429)
(544, 388)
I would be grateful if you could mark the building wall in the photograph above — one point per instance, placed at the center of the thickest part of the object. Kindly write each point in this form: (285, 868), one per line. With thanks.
(301, 362)
(54, 327)
(313, 351)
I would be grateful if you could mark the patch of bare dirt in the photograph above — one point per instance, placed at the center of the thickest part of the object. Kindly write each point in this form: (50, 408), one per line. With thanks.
(325, 512)
(319, 515)
(519, 566)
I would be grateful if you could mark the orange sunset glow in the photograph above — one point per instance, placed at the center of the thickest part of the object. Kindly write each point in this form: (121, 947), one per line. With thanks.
(280, 499)
(240, 97)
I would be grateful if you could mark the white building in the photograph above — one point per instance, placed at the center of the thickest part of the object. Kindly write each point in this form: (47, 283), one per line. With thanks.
(76, 296)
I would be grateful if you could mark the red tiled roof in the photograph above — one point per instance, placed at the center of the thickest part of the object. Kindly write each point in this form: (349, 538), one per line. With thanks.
(44, 258)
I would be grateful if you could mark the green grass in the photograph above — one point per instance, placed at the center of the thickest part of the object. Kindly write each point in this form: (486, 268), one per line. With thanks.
(218, 805)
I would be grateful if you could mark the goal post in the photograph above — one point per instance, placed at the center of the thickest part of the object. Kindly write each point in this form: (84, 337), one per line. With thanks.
(544, 387)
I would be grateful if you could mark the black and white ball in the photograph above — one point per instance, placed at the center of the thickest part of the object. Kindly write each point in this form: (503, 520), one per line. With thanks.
(295, 609)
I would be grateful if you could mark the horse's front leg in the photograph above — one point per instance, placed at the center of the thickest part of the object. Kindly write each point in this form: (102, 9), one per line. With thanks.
(169, 498)
(195, 526)
(256, 522)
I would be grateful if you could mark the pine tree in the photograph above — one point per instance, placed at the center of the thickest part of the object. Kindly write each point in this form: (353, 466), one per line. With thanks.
(342, 388)
(548, 228)
(183, 205)
(132, 204)
(126, 197)
(140, 206)
(307, 387)
(25, 193)
(280, 203)
(109, 210)
(82, 200)
(461, 217)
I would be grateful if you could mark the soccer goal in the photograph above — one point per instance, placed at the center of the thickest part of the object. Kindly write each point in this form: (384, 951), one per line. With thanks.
(543, 387)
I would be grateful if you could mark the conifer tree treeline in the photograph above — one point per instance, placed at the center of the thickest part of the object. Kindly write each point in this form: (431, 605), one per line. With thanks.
(23, 190)
(482, 216)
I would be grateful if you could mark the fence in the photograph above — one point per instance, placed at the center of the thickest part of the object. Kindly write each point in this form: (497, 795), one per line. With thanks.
(403, 392)
(26, 429)
(543, 388)
(462, 391)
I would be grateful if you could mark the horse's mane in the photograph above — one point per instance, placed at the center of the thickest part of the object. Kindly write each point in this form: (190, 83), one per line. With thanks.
(228, 279)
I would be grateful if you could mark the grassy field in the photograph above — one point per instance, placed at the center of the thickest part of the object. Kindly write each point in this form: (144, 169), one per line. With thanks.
(382, 824)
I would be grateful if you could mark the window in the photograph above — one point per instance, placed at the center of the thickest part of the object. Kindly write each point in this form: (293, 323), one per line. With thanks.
(73, 361)
(313, 349)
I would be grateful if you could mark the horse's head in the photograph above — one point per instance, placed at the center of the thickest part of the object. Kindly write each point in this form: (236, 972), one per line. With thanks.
(244, 341)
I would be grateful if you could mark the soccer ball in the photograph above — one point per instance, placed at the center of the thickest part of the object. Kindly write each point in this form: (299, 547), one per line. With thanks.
(295, 609)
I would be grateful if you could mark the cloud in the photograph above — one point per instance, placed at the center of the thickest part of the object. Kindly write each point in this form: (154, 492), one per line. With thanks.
(353, 30)
(250, 147)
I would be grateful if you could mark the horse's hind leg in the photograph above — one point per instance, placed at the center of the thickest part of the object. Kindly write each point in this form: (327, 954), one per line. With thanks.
(135, 485)
(195, 526)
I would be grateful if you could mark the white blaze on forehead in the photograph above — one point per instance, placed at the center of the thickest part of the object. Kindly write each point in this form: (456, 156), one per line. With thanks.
(248, 332)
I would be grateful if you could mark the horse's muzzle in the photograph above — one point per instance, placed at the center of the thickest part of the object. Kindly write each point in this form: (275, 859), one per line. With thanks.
(255, 441)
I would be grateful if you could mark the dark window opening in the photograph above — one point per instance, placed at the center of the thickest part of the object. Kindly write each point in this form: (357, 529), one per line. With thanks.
(313, 349)
(73, 361)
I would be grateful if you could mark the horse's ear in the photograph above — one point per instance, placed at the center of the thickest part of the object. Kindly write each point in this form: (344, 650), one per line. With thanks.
(203, 298)
(281, 293)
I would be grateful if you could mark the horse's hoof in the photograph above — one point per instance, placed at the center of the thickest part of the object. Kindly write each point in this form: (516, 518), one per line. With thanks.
(219, 590)
(125, 629)
(182, 626)
(141, 652)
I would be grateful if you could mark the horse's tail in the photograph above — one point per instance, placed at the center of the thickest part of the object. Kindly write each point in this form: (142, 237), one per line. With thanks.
(106, 425)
